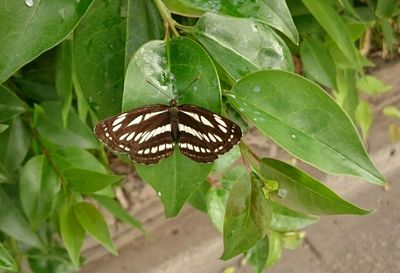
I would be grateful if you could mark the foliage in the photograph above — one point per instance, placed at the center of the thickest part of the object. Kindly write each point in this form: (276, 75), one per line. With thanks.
(66, 65)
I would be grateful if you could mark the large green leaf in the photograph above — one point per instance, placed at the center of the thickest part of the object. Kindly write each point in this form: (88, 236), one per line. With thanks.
(174, 178)
(76, 158)
(247, 217)
(27, 31)
(143, 23)
(86, 181)
(335, 28)
(274, 13)
(93, 222)
(99, 56)
(10, 104)
(303, 193)
(304, 120)
(318, 63)
(242, 45)
(74, 134)
(6, 261)
(72, 233)
(38, 187)
(13, 223)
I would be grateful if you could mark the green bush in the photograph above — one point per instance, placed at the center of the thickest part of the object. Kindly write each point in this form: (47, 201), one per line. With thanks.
(64, 65)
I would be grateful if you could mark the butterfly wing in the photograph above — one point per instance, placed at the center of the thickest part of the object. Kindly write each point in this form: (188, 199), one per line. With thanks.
(143, 133)
(204, 135)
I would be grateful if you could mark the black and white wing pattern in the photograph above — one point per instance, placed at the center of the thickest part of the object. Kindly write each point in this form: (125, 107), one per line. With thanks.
(143, 133)
(204, 135)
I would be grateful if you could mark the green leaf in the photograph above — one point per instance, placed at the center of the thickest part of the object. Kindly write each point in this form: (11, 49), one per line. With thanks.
(303, 193)
(179, 8)
(232, 176)
(93, 222)
(14, 144)
(54, 261)
(14, 224)
(6, 260)
(363, 116)
(99, 56)
(63, 78)
(247, 217)
(388, 33)
(372, 85)
(385, 8)
(216, 205)
(273, 13)
(3, 127)
(115, 208)
(223, 37)
(285, 219)
(335, 28)
(86, 181)
(10, 104)
(76, 158)
(346, 94)
(318, 63)
(72, 233)
(143, 23)
(266, 252)
(176, 177)
(226, 160)
(305, 121)
(75, 134)
(29, 31)
(38, 187)
(392, 111)
(292, 240)
(198, 199)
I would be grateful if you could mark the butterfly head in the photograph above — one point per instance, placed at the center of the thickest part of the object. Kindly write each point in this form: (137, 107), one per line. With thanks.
(173, 103)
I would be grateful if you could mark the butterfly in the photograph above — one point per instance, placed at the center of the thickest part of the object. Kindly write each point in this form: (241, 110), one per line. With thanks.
(150, 133)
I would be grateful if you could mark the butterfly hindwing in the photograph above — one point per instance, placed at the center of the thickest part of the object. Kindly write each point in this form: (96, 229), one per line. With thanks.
(204, 135)
(143, 133)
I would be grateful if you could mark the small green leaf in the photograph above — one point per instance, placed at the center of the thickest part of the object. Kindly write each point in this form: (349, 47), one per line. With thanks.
(38, 187)
(392, 111)
(75, 134)
(115, 208)
(29, 31)
(53, 261)
(86, 181)
(14, 144)
(76, 158)
(72, 234)
(318, 63)
(304, 120)
(63, 77)
(346, 94)
(13, 223)
(266, 252)
(93, 223)
(10, 104)
(371, 85)
(285, 219)
(386, 8)
(216, 205)
(292, 240)
(363, 116)
(247, 217)
(303, 193)
(3, 127)
(6, 260)
(223, 37)
(335, 28)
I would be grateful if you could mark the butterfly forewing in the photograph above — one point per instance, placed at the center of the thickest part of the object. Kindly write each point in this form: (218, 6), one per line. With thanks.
(143, 133)
(204, 135)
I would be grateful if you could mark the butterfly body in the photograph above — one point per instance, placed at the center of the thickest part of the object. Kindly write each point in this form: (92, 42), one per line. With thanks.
(150, 133)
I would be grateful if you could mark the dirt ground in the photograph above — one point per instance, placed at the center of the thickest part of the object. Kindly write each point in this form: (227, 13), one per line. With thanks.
(351, 244)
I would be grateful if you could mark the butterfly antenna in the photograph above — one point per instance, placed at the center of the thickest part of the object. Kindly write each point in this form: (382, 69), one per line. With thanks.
(158, 89)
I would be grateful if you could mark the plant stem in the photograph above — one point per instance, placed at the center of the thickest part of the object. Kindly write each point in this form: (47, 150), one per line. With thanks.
(169, 23)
